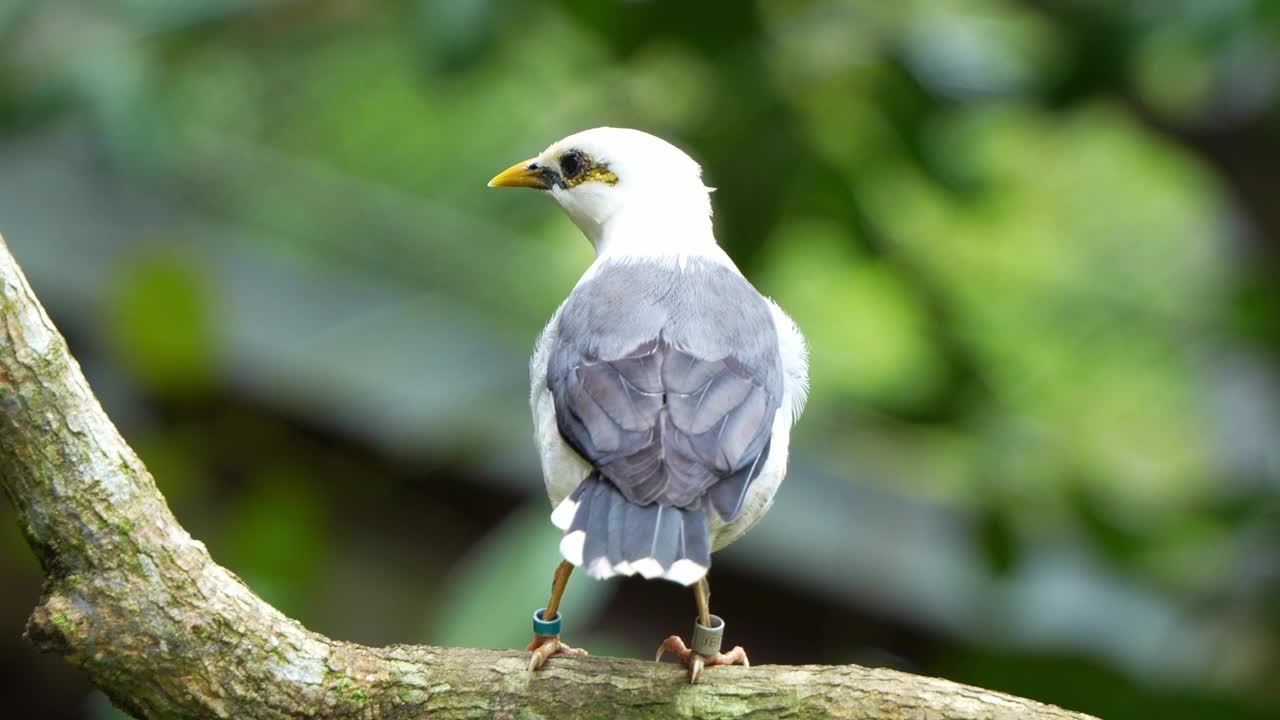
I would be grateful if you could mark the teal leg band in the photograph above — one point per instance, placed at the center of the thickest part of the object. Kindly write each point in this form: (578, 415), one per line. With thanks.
(545, 627)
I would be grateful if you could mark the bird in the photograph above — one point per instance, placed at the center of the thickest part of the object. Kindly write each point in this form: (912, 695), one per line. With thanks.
(663, 389)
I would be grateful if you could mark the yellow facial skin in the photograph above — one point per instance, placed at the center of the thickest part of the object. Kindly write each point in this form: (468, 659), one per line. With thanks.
(594, 173)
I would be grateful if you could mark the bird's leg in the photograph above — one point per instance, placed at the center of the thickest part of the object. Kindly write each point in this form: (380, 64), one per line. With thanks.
(546, 623)
(702, 596)
(706, 639)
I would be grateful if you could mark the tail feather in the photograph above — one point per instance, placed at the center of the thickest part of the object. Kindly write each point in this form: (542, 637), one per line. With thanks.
(596, 553)
(697, 546)
(608, 535)
(617, 513)
(663, 540)
(572, 516)
(635, 529)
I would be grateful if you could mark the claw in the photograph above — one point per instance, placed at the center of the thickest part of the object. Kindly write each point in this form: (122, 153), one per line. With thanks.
(544, 646)
(695, 667)
(696, 662)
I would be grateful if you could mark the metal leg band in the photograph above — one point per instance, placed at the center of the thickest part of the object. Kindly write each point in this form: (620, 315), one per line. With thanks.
(706, 640)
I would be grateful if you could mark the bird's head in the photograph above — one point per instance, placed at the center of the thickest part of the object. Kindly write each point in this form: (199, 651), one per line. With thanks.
(623, 188)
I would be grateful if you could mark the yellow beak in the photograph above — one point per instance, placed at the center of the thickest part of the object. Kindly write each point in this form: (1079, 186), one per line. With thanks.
(523, 174)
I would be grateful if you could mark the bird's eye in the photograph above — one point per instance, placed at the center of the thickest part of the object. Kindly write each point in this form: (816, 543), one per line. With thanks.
(572, 164)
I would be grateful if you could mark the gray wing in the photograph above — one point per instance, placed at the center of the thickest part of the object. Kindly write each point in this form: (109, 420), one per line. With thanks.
(668, 382)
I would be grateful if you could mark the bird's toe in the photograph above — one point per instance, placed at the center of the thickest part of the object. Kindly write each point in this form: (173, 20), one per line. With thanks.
(736, 656)
(697, 662)
(673, 644)
(544, 646)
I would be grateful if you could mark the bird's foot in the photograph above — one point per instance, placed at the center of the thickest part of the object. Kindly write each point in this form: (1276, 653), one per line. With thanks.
(697, 661)
(544, 646)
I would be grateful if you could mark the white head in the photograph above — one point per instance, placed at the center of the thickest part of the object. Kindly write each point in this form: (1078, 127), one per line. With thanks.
(629, 192)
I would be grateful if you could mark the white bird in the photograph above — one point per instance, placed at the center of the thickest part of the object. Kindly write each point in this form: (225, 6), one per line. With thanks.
(663, 389)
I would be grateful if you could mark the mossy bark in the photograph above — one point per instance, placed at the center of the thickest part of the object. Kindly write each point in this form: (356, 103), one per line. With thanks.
(167, 633)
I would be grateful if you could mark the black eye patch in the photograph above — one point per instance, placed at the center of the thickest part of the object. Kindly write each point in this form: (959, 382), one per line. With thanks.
(572, 164)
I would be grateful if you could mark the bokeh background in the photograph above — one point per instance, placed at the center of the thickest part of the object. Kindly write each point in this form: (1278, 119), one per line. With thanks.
(1034, 246)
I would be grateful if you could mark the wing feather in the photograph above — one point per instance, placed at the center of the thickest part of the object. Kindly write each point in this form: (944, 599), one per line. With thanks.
(709, 421)
(671, 397)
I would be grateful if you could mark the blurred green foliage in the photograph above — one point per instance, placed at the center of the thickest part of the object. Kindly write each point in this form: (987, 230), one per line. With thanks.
(1033, 245)
(161, 315)
(480, 610)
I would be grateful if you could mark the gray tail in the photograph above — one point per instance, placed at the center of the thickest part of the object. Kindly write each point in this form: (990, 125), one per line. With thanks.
(609, 535)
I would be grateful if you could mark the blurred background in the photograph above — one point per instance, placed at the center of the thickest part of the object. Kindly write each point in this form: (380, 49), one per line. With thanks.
(1034, 246)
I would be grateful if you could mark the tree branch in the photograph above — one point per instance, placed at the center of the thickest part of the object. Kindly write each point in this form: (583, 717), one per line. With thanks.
(166, 632)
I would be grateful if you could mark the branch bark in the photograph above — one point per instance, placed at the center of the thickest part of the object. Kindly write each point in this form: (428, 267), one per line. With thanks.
(167, 633)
